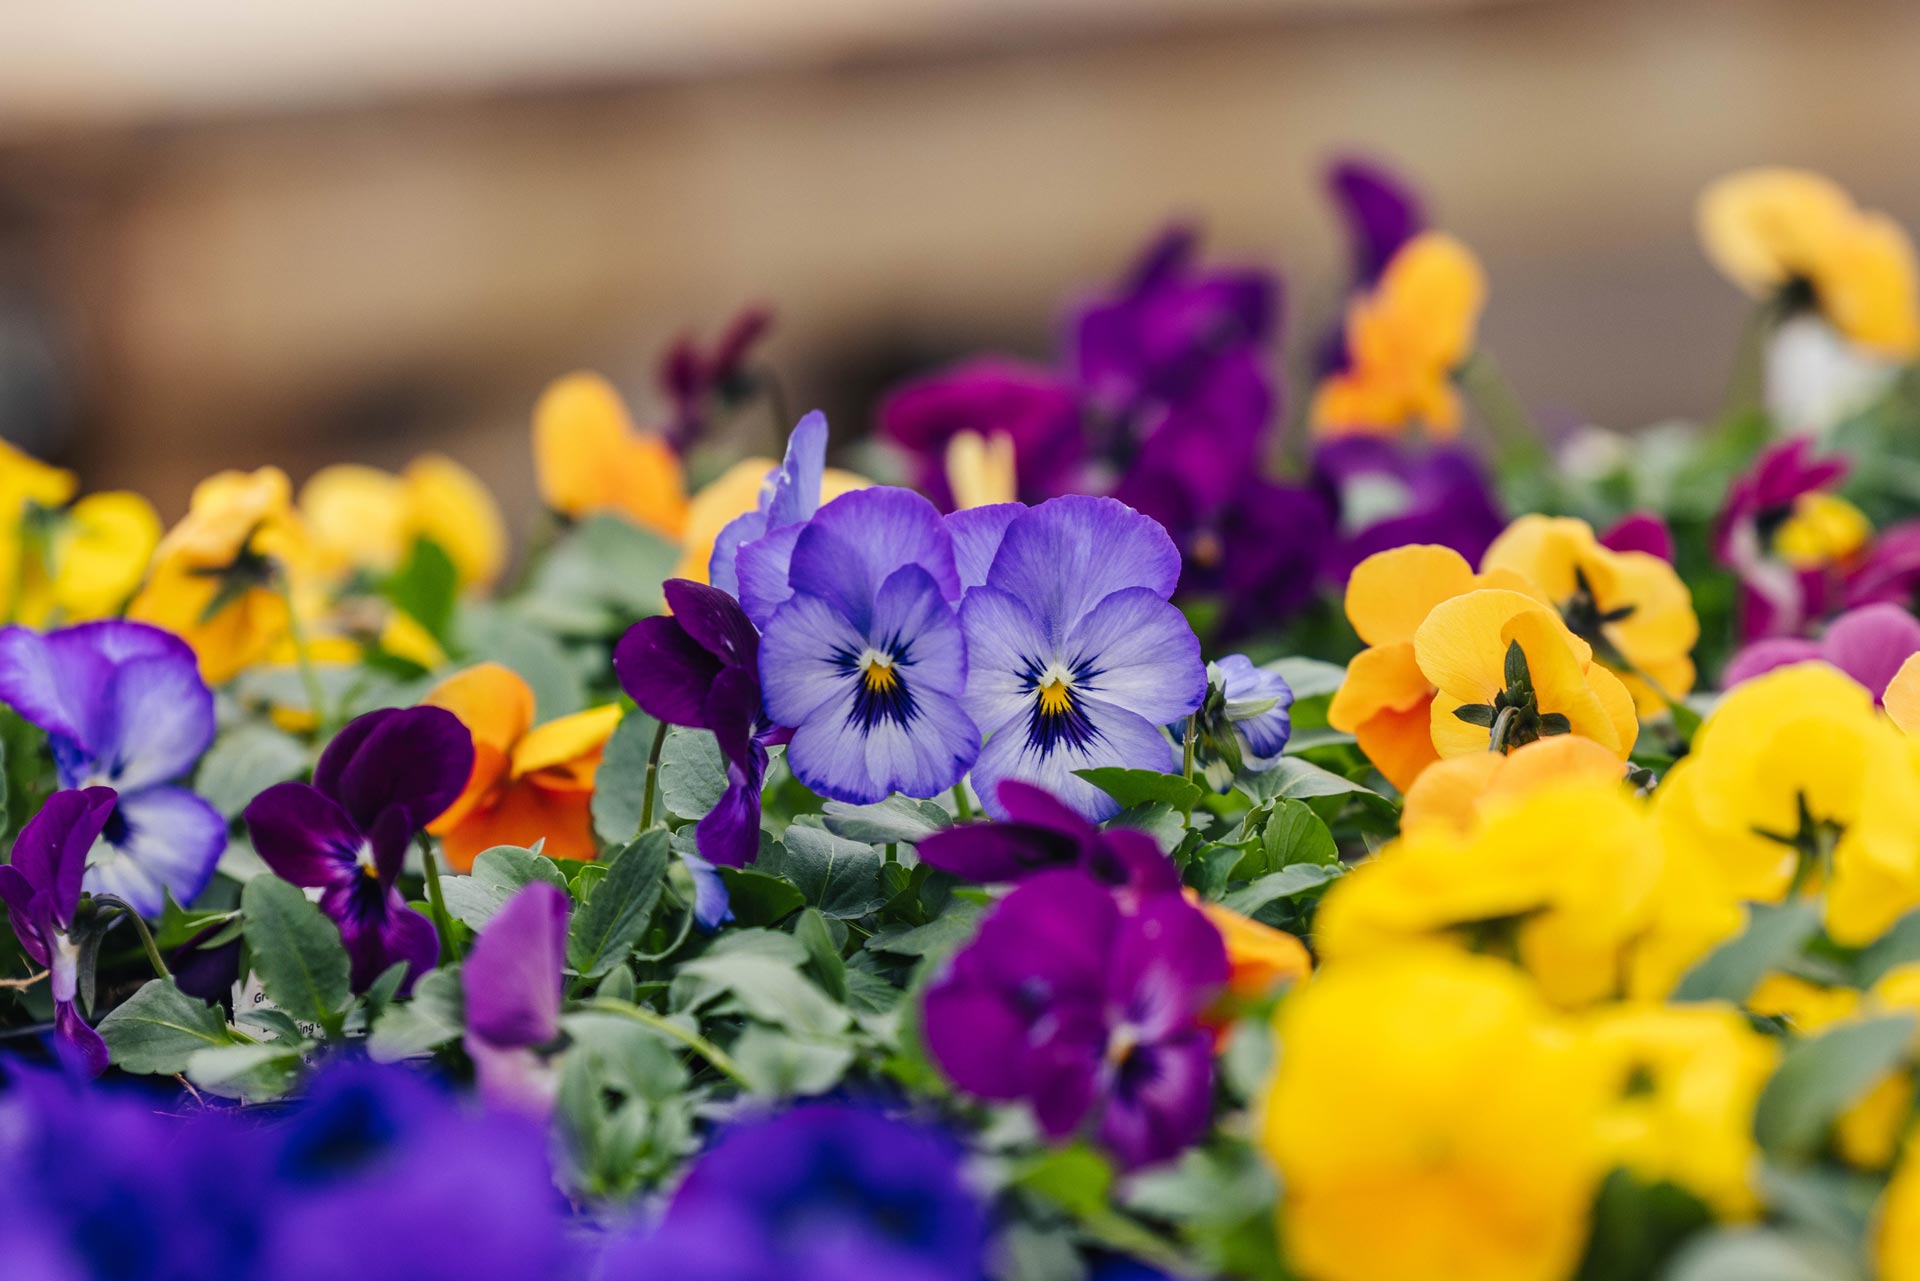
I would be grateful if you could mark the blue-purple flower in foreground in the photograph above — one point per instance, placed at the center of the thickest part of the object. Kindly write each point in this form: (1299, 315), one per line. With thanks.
(41, 890)
(866, 660)
(751, 553)
(1040, 833)
(515, 977)
(828, 1192)
(124, 707)
(1074, 656)
(384, 776)
(700, 667)
(1088, 1012)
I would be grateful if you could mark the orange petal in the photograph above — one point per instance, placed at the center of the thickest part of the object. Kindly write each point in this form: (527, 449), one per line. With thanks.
(563, 743)
(579, 427)
(1399, 743)
(488, 773)
(521, 815)
(1449, 791)
(1261, 957)
(1390, 593)
(491, 700)
(1902, 699)
(1383, 677)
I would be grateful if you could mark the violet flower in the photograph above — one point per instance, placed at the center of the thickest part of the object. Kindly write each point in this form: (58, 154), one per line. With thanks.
(1381, 213)
(1868, 644)
(41, 890)
(751, 553)
(866, 658)
(1035, 408)
(1245, 722)
(1041, 833)
(1075, 658)
(383, 778)
(1776, 598)
(1087, 1012)
(692, 378)
(1388, 493)
(123, 706)
(515, 978)
(1638, 531)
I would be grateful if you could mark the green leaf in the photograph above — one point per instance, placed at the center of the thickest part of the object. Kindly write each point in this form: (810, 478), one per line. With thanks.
(837, 876)
(158, 1028)
(900, 819)
(936, 938)
(1898, 946)
(620, 784)
(1773, 937)
(1295, 834)
(1296, 779)
(693, 773)
(425, 587)
(484, 631)
(1817, 1079)
(1760, 1254)
(600, 577)
(1285, 883)
(1136, 787)
(785, 1067)
(607, 926)
(246, 1071)
(1074, 1177)
(498, 874)
(769, 989)
(759, 899)
(824, 962)
(434, 1016)
(245, 762)
(1309, 677)
(296, 951)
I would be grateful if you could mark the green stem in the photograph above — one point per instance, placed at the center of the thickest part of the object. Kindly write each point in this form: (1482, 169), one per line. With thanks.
(303, 658)
(1187, 742)
(653, 776)
(1515, 437)
(449, 949)
(147, 944)
(719, 1058)
(961, 809)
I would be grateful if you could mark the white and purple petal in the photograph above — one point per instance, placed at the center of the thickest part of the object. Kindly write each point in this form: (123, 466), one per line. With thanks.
(1141, 654)
(160, 841)
(804, 656)
(1068, 554)
(977, 532)
(1100, 735)
(1006, 652)
(158, 719)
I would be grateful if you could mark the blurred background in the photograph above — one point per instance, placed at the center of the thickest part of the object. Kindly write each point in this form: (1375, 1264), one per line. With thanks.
(233, 234)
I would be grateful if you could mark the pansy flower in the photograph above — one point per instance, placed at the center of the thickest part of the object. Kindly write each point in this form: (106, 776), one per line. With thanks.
(362, 519)
(866, 660)
(1246, 719)
(1075, 657)
(696, 379)
(977, 411)
(514, 978)
(528, 783)
(65, 559)
(1379, 213)
(751, 554)
(1630, 607)
(1869, 644)
(123, 706)
(700, 667)
(588, 457)
(384, 776)
(1040, 833)
(1387, 493)
(1087, 1011)
(1405, 338)
(40, 887)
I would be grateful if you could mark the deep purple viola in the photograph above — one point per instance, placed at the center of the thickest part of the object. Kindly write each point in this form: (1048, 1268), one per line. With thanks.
(1075, 658)
(1041, 834)
(1388, 493)
(41, 890)
(515, 978)
(700, 667)
(1086, 1011)
(1034, 408)
(383, 778)
(866, 660)
(124, 707)
(752, 553)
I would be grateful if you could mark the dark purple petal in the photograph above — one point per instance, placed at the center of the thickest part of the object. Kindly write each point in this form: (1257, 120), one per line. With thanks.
(711, 906)
(1161, 1100)
(1167, 964)
(304, 835)
(388, 839)
(1037, 807)
(416, 757)
(1380, 211)
(1129, 858)
(978, 1037)
(206, 972)
(1056, 928)
(992, 853)
(665, 671)
(714, 620)
(30, 912)
(729, 834)
(514, 975)
(50, 853)
(79, 1045)
(378, 936)
(1382, 494)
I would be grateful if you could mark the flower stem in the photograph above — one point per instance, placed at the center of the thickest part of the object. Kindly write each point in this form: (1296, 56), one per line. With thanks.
(961, 809)
(653, 777)
(719, 1058)
(449, 950)
(160, 970)
(1515, 437)
(303, 658)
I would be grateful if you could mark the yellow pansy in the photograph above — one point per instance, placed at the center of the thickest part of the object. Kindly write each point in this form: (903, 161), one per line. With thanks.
(1684, 1080)
(1902, 697)
(362, 518)
(62, 563)
(1453, 792)
(1404, 341)
(588, 457)
(1783, 233)
(220, 576)
(1430, 1120)
(1630, 607)
(1807, 1008)
(1795, 782)
(1896, 1224)
(1822, 529)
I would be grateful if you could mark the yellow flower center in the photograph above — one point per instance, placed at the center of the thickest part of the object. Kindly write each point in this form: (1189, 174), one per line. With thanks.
(1823, 530)
(1055, 699)
(877, 671)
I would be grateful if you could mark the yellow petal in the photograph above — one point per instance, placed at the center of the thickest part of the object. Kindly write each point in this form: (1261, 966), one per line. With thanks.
(103, 550)
(451, 506)
(980, 469)
(25, 479)
(589, 458)
(228, 512)
(1462, 645)
(1390, 593)
(1902, 699)
(1381, 678)
(402, 636)
(491, 700)
(1763, 227)
(569, 739)
(356, 517)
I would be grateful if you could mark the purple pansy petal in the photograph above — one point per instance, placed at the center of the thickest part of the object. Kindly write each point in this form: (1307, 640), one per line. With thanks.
(79, 1044)
(911, 605)
(1065, 556)
(1037, 807)
(729, 834)
(515, 972)
(1119, 738)
(1640, 532)
(923, 758)
(765, 565)
(1380, 211)
(1161, 1101)
(56, 681)
(664, 671)
(208, 973)
(977, 532)
(714, 620)
(1034, 408)
(723, 567)
(798, 674)
(29, 911)
(711, 908)
(1148, 659)
(978, 1037)
(858, 540)
(1870, 643)
(1244, 686)
(1167, 963)
(513, 1078)
(1131, 859)
(1004, 642)
(388, 839)
(415, 757)
(1056, 927)
(162, 840)
(793, 491)
(1763, 656)
(51, 850)
(991, 853)
(378, 939)
(304, 835)
(158, 720)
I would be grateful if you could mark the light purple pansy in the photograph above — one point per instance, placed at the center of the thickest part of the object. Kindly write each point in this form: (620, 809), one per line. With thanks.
(752, 552)
(384, 776)
(1259, 707)
(866, 660)
(124, 707)
(1868, 644)
(1075, 658)
(515, 979)
(41, 890)
(1088, 1012)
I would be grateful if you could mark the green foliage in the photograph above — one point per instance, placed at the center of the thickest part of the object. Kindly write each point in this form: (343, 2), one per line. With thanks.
(611, 921)
(158, 1029)
(296, 952)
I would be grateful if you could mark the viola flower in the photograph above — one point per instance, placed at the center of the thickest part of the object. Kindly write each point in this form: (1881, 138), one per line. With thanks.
(1630, 607)
(40, 887)
(1245, 722)
(71, 560)
(997, 406)
(1796, 239)
(865, 660)
(1640, 531)
(362, 519)
(1869, 644)
(1386, 700)
(515, 978)
(220, 577)
(1087, 1012)
(525, 783)
(1040, 833)
(384, 776)
(1389, 493)
(123, 706)
(1487, 1158)
(1404, 340)
(589, 458)
(824, 1190)
(1075, 657)
(1379, 213)
(700, 667)
(694, 380)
